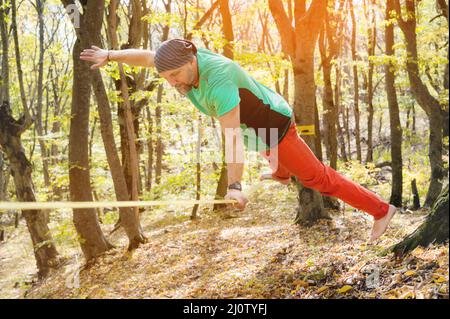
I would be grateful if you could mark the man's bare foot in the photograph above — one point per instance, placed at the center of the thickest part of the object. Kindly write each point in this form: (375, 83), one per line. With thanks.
(284, 181)
(380, 225)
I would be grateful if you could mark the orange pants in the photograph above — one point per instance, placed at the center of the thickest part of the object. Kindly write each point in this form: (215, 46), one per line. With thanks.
(292, 156)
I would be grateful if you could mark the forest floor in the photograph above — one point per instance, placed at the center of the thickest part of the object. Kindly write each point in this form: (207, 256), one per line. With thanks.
(257, 253)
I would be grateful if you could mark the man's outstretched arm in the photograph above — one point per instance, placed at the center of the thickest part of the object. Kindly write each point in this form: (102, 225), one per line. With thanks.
(134, 57)
(234, 153)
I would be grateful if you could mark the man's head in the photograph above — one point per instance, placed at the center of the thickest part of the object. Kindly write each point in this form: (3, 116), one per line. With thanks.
(175, 60)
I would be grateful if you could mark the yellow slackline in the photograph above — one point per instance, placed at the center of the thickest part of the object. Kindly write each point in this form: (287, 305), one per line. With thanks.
(75, 205)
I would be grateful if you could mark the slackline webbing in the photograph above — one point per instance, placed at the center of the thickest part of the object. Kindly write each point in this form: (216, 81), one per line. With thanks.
(74, 205)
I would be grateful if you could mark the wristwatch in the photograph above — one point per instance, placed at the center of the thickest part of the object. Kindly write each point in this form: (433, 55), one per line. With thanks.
(236, 186)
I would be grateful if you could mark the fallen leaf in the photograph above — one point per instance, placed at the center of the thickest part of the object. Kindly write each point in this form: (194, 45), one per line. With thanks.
(301, 283)
(410, 273)
(439, 280)
(344, 289)
(321, 289)
(408, 295)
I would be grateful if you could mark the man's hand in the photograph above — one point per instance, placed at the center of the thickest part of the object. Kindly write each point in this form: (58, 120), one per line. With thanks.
(96, 55)
(239, 197)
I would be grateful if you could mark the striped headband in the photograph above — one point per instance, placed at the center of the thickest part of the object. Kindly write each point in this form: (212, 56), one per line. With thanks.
(173, 54)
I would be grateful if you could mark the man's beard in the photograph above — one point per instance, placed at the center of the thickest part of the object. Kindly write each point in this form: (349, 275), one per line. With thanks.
(184, 88)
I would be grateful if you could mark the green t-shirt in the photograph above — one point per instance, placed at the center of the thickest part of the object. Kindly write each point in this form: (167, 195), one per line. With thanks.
(223, 84)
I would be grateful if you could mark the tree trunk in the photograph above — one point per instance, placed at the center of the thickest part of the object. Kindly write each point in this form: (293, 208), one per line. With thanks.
(198, 170)
(394, 115)
(299, 43)
(159, 142)
(310, 201)
(337, 92)
(317, 133)
(286, 85)
(434, 230)
(37, 221)
(129, 217)
(329, 51)
(18, 58)
(40, 92)
(347, 131)
(443, 7)
(57, 107)
(355, 86)
(10, 142)
(227, 28)
(148, 184)
(92, 241)
(4, 83)
(371, 45)
(134, 83)
(424, 98)
(328, 44)
(2, 177)
(329, 117)
(415, 192)
(435, 155)
(158, 111)
(311, 207)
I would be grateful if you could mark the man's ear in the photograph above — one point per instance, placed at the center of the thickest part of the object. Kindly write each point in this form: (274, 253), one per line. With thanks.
(194, 61)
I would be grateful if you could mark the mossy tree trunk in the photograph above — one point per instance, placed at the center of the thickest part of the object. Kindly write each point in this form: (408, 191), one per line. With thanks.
(433, 230)
(37, 221)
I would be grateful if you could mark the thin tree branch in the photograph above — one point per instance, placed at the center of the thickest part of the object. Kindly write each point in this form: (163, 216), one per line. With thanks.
(203, 19)
(284, 25)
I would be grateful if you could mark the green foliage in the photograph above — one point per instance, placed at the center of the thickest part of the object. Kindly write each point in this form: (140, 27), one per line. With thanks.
(110, 217)
(163, 18)
(363, 173)
(63, 232)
